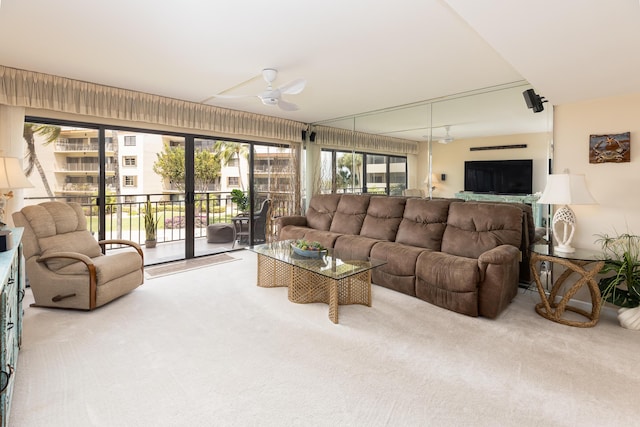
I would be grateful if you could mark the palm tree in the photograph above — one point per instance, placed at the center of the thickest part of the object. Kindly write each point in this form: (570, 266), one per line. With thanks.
(228, 150)
(50, 134)
(116, 164)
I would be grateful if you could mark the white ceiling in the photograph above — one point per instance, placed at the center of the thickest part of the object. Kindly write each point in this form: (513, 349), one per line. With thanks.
(358, 56)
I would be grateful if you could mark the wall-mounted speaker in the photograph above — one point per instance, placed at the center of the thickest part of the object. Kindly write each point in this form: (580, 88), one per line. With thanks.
(312, 136)
(533, 100)
(443, 177)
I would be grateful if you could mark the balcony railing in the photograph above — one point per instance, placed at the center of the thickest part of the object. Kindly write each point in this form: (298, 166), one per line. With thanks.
(85, 187)
(86, 167)
(64, 145)
(124, 219)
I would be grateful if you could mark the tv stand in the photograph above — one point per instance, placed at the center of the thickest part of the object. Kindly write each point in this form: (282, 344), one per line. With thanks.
(529, 199)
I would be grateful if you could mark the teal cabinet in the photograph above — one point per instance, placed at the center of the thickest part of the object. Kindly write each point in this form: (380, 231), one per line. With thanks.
(12, 288)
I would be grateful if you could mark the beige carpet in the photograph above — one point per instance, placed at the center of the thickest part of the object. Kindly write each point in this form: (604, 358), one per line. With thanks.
(185, 265)
(212, 349)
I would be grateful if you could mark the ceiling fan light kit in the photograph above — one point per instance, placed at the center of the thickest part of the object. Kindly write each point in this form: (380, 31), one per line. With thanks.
(269, 74)
(447, 138)
(271, 96)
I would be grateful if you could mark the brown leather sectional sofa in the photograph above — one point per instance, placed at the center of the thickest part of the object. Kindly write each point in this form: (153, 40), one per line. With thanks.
(462, 256)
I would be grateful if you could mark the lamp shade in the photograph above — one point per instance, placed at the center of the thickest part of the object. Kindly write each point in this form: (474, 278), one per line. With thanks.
(11, 175)
(434, 179)
(566, 189)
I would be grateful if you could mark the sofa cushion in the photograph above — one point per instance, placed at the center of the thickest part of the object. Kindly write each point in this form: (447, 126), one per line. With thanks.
(474, 228)
(384, 215)
(325, 238)
(399, 273)
(75, 241)
(289, 232)
(108, 268)
(322, 207)
(423, 223)
(350, 214)
(354, 247)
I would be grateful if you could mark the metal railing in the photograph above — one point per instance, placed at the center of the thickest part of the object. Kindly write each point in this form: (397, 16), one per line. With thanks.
(86, 167)
(64, 145)
(125, 214)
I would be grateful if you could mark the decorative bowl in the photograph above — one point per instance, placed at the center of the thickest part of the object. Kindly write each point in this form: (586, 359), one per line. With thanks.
(307, 253)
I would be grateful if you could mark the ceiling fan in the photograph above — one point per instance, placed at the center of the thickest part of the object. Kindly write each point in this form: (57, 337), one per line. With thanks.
(447, 138)
(273, 96)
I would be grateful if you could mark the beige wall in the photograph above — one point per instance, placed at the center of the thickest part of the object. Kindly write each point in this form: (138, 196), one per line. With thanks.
(449, 159)
(616, 186)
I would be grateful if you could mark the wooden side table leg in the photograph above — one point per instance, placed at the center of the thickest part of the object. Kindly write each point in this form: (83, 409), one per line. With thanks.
(552, 310)
(543, 308)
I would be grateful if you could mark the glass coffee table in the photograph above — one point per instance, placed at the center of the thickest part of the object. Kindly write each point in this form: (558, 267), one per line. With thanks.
(327, 279)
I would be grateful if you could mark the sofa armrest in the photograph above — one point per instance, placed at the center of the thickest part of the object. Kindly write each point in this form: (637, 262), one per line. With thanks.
(70, 255)
(499, 255)
(499, 274)
(298, 220)
(124, 242)
(282, 221)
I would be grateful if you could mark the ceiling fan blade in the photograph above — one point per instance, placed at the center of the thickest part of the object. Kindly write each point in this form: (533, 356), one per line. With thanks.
(294, 87)
(287, 106)
(204, 101)
(220, 95)
(232, 96)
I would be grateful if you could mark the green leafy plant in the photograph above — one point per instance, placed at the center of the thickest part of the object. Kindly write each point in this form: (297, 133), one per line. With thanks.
(622, 264)
(150, 222)
(240, 199)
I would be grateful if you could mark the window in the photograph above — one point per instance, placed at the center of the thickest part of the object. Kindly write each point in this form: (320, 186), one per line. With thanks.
(233, 181)
(353, 172)
(130, 140)
(129, 161)
(130, 181)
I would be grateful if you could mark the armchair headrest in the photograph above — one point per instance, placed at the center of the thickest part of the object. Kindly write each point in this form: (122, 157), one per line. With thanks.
(51, 218)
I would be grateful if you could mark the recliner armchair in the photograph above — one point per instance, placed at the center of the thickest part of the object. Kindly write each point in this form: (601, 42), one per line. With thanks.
(65, 265)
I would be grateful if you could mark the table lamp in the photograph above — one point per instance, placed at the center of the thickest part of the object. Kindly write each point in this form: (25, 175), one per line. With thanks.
(11, 178)
(565, 189)
(434, 180)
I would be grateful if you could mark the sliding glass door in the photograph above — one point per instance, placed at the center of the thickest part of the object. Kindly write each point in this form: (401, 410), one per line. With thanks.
(178, 196)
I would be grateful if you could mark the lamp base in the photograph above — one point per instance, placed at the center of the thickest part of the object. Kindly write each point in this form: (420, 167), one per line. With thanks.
(564, 222)
(565, 248)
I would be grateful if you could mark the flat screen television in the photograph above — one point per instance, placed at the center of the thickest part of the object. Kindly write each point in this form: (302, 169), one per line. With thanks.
(499, 176)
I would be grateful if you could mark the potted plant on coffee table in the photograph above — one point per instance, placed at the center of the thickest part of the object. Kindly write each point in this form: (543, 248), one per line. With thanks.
(150, 226)
(621, 284)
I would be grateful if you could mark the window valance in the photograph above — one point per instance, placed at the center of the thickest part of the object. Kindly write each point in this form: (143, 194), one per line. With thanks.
(43, 91)
(326, 135)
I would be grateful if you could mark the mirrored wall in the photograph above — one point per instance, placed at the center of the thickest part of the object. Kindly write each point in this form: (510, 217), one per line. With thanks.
(488, 124)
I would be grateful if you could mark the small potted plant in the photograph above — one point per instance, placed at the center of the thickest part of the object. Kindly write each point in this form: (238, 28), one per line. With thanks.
(150, 226)
(241, 200)
(621, 284)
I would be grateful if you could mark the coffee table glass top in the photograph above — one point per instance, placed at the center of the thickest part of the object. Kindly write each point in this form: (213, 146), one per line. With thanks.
(329, 265)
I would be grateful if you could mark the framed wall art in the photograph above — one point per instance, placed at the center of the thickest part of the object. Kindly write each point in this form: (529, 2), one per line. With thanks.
(614, 148)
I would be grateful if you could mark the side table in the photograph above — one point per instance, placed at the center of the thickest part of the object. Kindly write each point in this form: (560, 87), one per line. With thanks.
(574, 263)
(240, 229)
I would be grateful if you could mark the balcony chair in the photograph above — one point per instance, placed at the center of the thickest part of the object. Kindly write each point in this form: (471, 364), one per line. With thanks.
(259, 224)
(64, 263)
